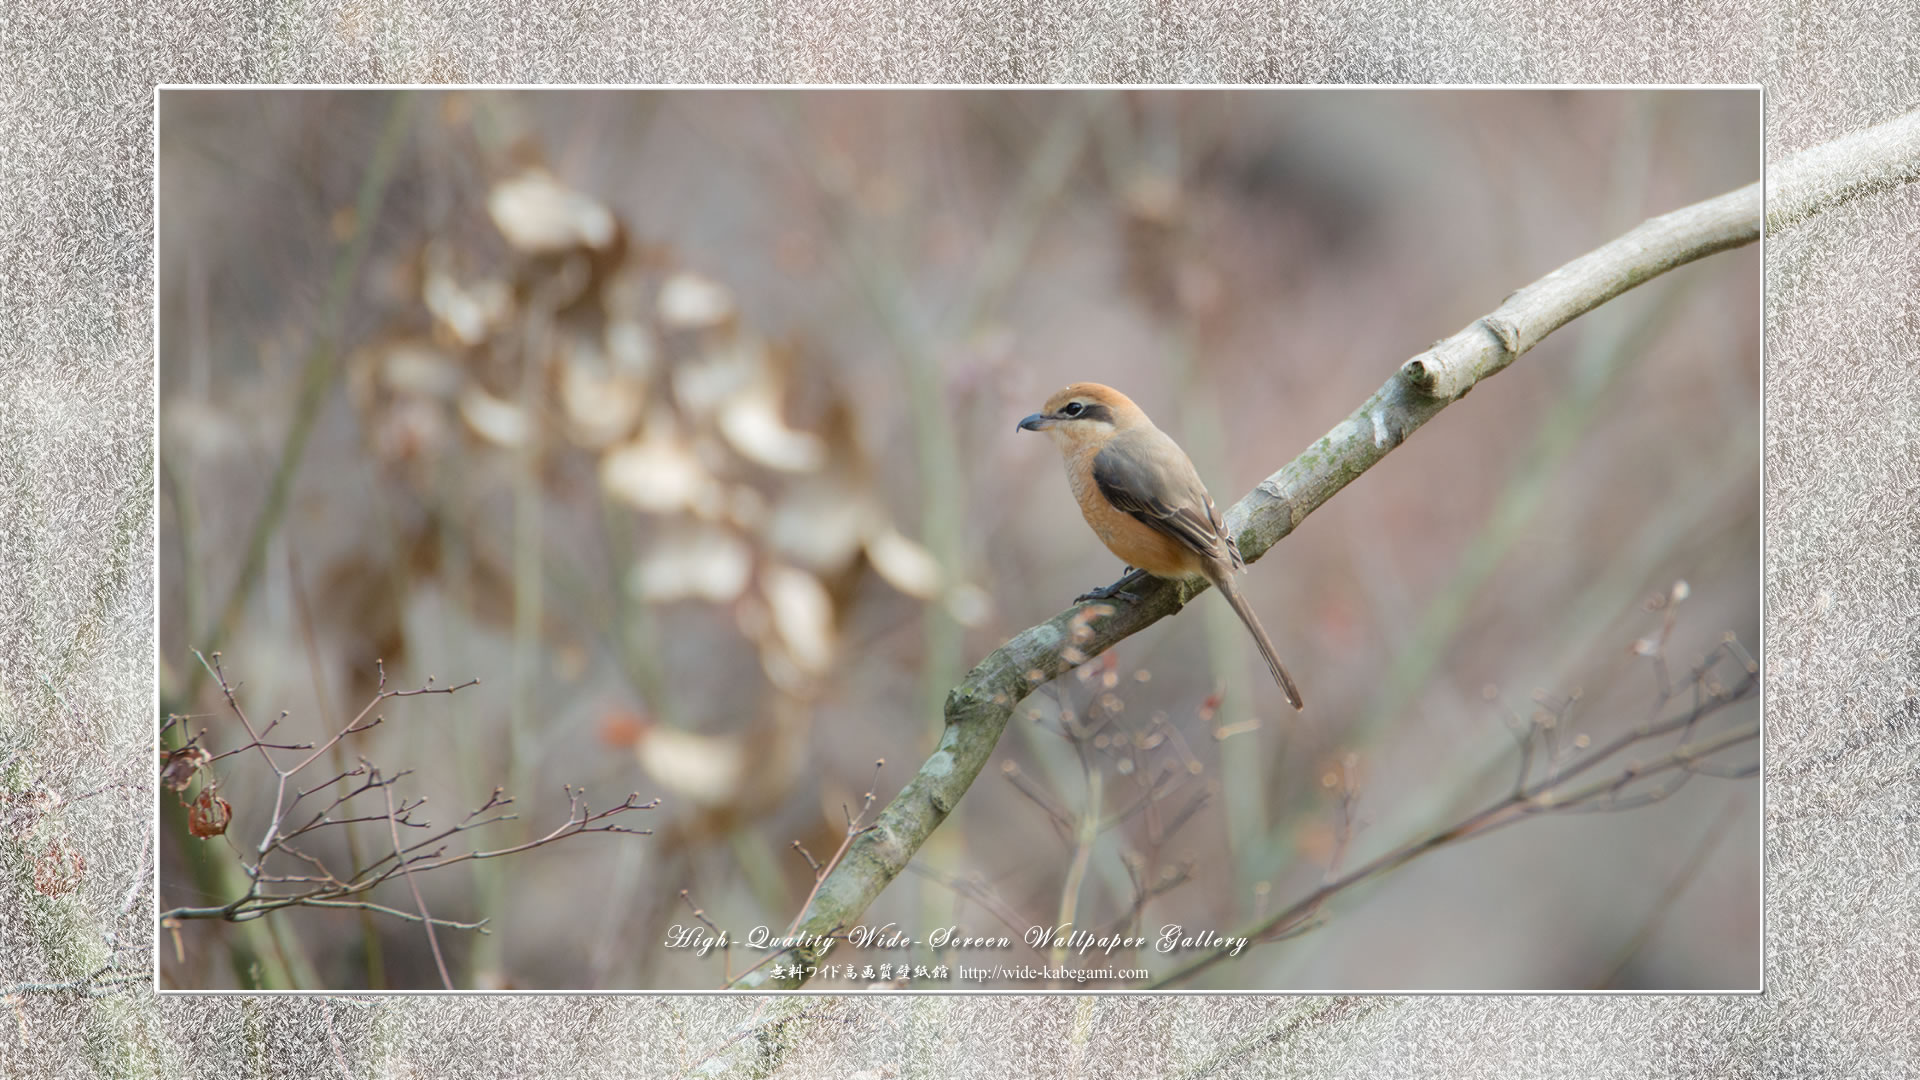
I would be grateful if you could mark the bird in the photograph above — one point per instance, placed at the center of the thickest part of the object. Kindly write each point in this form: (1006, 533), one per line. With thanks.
(1143, 498)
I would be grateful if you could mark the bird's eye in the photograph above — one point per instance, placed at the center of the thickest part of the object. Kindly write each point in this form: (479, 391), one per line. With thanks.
(1073, 408)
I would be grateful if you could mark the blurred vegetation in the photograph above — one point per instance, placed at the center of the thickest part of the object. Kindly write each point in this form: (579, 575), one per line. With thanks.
(683, 420)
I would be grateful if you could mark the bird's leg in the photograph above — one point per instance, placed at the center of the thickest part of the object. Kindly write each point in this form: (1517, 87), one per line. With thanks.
(1116, 590)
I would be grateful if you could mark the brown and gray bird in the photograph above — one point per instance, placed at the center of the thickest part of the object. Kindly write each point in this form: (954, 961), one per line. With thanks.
(1141, 495)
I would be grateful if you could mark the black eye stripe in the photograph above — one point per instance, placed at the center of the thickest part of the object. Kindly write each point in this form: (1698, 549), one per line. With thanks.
(1093, 411)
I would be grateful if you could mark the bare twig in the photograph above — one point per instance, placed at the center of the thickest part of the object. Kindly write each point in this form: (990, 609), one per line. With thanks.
(419, 902)
(1085, 834)
(973, 888)
(1549, 794)
(855, 830)
(700, 913)
(270, 888)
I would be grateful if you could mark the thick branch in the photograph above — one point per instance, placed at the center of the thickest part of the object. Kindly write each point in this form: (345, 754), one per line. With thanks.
(1879, 158)
(978, 709)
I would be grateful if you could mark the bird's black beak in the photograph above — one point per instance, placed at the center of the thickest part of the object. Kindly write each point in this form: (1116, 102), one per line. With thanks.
(1036, 422)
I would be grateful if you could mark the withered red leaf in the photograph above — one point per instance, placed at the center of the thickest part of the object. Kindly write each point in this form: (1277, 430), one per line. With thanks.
(180, 765)
(208, 816)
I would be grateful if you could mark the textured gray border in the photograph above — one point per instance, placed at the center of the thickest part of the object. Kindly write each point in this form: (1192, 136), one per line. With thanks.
(1843, 428)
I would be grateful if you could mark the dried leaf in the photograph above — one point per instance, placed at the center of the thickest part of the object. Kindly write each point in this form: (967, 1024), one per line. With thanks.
(701, 563)
(470, 313)
(785, 674)
(177, 772)
(539, 215)
(904, 564)
(600, 406)
(751, 421)
(725, 370)
(660, 474)
(417, 368)
(501, 423)
(802, 616)
(690, 301)
(707, 770)
(208, 816)
(630, 348)
(821, 523)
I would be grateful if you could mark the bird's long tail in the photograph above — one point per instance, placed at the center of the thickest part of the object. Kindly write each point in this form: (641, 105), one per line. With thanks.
(1223, 580)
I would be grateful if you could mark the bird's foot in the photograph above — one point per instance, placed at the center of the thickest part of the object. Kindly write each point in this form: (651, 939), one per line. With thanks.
(1115, 591)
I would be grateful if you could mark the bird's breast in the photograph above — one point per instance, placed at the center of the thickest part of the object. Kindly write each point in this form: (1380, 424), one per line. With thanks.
(1137, 544)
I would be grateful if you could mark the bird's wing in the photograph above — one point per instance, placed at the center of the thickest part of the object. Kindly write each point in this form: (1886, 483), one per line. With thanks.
(1151, 479)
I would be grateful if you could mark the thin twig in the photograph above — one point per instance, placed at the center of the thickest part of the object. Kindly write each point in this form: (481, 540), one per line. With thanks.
(268, 890)
(419, 901)
(1544, 796)
(855, 830)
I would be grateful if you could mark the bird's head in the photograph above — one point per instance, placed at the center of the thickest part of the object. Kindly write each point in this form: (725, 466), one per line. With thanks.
(1083, 413)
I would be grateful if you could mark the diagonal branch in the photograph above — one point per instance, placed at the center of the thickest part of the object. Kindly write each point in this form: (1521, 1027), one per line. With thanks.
(978, 709)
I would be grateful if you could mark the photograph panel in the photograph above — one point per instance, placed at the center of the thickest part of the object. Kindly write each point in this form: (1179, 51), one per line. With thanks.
(588, 518)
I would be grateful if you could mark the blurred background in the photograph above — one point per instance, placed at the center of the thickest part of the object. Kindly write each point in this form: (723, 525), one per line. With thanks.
(684, 421)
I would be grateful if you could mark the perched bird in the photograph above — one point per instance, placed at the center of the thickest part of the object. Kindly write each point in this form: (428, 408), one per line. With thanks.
(1141, 495)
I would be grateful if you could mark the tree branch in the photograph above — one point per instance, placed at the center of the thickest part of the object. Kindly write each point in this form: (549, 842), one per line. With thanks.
(978, 709)
(1866, 162)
